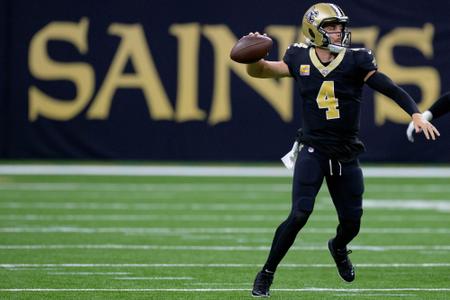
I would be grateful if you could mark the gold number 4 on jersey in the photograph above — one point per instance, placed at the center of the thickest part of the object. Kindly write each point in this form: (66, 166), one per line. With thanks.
(326, 100)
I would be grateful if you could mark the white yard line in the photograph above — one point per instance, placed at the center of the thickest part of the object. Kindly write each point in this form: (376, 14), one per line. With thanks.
(146, 187)
(220, 171)
(394, 187)
(415, 289)
(410, 204)
(154, 278)
(369, 203)
(145, 206)
(195, 230)
(225, 248)
(198, 187)
(88, 273)
(213, 217)
(73, 265)
(378, 295)
(204, 284)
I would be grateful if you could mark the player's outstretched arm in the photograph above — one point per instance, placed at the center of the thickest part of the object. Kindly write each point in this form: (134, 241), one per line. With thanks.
(268, 69)
(383, 84)
(441, 106)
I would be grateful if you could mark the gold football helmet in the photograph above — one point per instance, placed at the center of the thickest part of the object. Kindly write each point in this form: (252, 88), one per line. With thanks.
(317, 17)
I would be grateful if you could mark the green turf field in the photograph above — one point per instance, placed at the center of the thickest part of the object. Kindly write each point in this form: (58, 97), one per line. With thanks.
(94, 237)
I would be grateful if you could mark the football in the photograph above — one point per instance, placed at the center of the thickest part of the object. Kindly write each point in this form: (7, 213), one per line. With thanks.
(251, 48)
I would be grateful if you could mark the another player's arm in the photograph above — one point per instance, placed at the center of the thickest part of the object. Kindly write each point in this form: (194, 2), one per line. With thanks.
(439, 108)
(383, 84)
(268, 69)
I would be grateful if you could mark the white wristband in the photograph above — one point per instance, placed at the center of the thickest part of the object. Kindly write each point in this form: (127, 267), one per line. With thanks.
(427, 115)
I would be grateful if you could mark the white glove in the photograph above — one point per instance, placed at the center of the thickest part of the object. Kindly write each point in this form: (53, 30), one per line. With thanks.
(290, 157)
(427, 115)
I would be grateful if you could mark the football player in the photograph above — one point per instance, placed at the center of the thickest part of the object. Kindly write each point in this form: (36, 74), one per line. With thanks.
(439, 108)
(330, 77)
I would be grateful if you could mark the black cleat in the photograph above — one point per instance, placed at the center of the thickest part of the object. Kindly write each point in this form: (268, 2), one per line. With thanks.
(262, 284)
(343, 263)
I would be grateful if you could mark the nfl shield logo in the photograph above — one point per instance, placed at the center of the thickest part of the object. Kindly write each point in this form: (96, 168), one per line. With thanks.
(304, 70)
(325, 72)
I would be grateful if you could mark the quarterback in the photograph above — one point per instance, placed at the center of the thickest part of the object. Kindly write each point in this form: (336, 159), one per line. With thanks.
(330, 76)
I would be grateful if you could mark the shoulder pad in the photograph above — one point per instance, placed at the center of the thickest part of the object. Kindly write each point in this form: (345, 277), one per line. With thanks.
(361, 50)
(298, 45)
(365, 57)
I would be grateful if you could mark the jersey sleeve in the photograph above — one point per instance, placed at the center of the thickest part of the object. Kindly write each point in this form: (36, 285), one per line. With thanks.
(441, 106)
(289, 58)
(365, 60)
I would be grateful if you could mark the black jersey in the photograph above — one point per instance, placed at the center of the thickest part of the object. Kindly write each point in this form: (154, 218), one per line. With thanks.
(331, 98)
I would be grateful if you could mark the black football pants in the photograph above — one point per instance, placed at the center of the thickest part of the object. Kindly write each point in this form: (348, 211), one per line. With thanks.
(345, 184)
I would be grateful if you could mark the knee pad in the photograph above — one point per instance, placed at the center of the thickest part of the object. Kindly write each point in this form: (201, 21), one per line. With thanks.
(357, 186)
(299, 217)
(303, 204)
(355, 213)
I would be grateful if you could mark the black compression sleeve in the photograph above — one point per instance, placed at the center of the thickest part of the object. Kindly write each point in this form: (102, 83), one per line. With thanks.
(383, 84)
(441, 106)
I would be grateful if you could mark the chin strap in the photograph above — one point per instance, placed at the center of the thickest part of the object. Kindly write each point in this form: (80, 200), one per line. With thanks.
(335, 48)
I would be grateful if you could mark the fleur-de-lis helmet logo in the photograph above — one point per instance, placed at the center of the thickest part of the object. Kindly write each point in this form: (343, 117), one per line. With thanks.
(312, 15)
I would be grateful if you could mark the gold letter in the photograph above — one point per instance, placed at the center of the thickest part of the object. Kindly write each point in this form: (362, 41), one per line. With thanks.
(277, 92)
(187, 92)
(426, 78)
(134, 47)
(43, 67)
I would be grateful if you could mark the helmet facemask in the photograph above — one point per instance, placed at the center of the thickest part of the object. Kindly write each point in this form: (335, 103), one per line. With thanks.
(327, 40)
